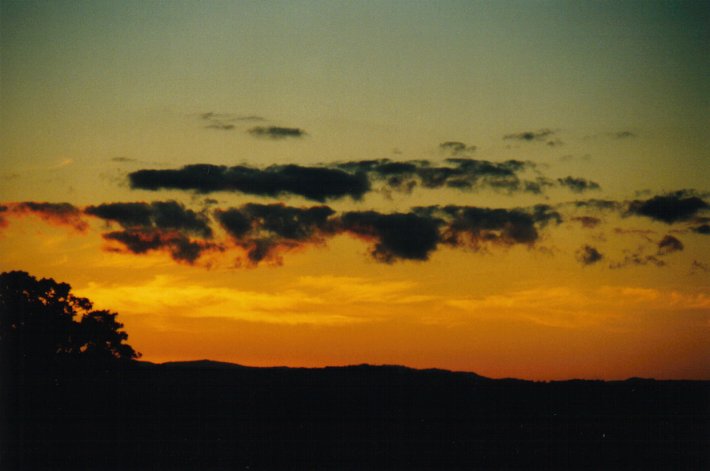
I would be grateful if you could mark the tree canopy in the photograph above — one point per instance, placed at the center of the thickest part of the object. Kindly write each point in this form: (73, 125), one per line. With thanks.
(42, 322)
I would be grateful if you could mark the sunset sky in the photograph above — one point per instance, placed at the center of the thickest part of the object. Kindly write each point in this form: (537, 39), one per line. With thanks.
(515, 188)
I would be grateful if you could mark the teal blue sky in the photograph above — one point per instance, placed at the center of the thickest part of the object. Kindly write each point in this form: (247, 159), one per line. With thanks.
(88, 81)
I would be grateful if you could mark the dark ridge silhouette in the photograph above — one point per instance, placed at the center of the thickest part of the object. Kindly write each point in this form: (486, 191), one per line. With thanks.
(59, 414)
(214, 415)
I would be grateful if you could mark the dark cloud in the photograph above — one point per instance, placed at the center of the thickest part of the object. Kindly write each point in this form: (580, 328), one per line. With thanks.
(234, 221)
(456, 148)
(276, 132)
(623, 134)
(589, 222)
(473, 227)
(160, 225)
(126, 214)
(315, 183)
(681, 205)
(702, 229)
(276, 219)
(578, 185)
(265, 229)
(456, 173)
(397, 236)
(588, 255)
(122, 159)
(537, 186)
(530, 136)
(180, 247)
(289, 222)
(63, 214)
(163, 215)
(669, 244)
(543, 214)
(355, 178)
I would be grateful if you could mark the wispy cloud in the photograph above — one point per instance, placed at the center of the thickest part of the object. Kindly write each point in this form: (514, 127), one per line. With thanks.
(225, 121)
(61, 214)
(578, 185)
(540, 135)
(456, 148)
(276, 132)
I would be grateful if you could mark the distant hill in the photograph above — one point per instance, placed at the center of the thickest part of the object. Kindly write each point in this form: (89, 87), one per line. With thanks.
(206, 415)
(363, 368)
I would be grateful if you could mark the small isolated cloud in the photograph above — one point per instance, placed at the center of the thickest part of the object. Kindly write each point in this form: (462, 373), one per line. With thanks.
(219, 121)
(682, 205)
(668, 245)
(314, 183)
(122, 159)
(623, 135)
(589, 222)
(702, 229)
(531, 136)
(578, 185)
(61, 214)
(698, 266)
(221, 126)
(276, 132)
(588, 255)
(456, 148)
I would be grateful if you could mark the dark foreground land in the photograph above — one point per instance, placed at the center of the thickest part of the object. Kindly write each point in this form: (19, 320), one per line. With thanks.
(206, 415)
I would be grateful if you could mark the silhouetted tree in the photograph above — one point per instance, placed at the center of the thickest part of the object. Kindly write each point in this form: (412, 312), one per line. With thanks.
(100, 338)
(37, 325)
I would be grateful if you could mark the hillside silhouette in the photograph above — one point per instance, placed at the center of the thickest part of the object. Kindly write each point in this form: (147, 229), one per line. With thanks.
(118, 413)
